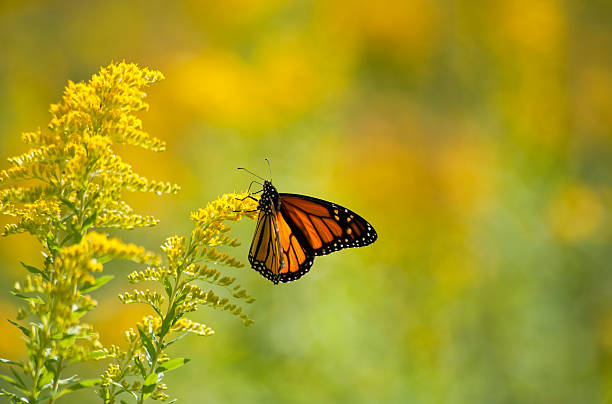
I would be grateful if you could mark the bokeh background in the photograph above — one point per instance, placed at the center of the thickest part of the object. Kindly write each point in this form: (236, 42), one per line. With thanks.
(475, 136)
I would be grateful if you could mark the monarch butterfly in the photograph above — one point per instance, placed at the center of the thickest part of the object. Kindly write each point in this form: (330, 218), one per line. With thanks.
(292, 229)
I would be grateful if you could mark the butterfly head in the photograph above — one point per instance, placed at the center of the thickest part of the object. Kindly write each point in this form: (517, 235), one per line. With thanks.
(269, 198)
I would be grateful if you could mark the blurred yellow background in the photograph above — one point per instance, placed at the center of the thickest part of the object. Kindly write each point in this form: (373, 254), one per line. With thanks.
(475, 136)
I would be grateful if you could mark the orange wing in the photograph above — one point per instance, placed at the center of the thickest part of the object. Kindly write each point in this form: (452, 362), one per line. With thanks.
(324, 227)
(264, 254)
(298, 259)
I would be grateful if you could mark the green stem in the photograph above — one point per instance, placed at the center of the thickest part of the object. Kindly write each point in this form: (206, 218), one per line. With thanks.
(34, 393)
(124, 368)
(44, 338)
(169, 309)
(44, 342)
(56, 379)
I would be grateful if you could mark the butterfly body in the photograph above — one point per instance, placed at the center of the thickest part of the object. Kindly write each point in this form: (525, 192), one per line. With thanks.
(292, 229)
(270, 198)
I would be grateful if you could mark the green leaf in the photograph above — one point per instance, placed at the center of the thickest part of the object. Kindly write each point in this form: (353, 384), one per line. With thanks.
(167, 344)
(35, 271)
(50, 365)
(171, 364)
(146, 341)
(22, 296)
(83, 384)
(51, 243)
(119, 386)
(101, 281)
(14, 397)
(46, 378)
(151, 379)
(68, 380)
(151, 333)
(158, 311)
(80, 313)
(79, 385)
(24, 330)
(8, 379)
(19, 380)
(140, 367)
(65, 340)
(66, 239)
(19, 386)
(177, 318)
(167, 286)
(104, 259)
(77, 236)
(89, 221)
(10, 362)
(68, 203)
(67, 217)
(150, 384)
(168, 321)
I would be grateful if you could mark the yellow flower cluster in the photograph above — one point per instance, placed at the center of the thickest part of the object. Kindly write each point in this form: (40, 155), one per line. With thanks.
(106, 104)
(149, 274)
(73, 163)
(37, 218)
(211, 231)
(110, 375)
(184, 324)
(153, 299)
(100, 246)
(228, 207)
(67, 282)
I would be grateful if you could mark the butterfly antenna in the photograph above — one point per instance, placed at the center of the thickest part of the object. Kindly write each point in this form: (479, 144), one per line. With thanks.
(269, 169)
(242, 168)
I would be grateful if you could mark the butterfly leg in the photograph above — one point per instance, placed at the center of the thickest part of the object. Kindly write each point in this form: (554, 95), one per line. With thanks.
(249, 196)
(247, 211)
(251, 184)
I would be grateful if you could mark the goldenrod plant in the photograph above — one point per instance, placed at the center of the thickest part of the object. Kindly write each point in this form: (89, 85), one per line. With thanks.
(140, 369)
(66, 191)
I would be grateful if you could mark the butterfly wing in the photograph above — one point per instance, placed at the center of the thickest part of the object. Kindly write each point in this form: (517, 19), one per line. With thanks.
(265, 252)
(324, 226)
(298, 257)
